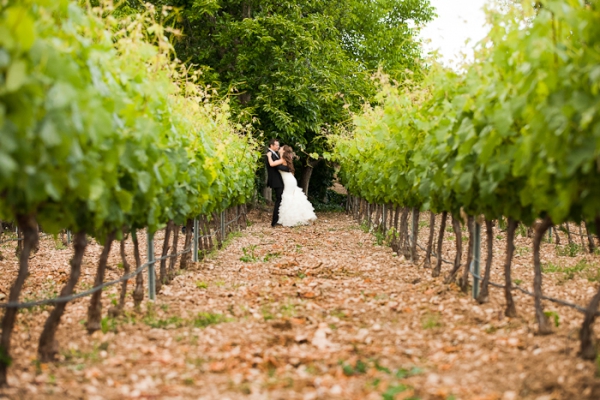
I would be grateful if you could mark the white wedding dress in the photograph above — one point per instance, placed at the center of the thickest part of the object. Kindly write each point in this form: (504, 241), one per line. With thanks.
(295, 208)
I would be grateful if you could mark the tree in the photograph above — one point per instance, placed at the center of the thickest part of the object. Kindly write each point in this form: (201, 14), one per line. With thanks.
(295, 68)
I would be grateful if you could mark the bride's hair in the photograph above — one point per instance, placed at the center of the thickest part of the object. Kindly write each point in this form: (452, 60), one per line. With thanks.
(288, 156)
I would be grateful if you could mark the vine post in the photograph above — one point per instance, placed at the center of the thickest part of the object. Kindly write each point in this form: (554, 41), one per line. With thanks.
(151, 272)
(195, 246)
(476, 259)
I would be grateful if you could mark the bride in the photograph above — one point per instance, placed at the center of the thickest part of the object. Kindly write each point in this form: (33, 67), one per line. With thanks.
(295, 208)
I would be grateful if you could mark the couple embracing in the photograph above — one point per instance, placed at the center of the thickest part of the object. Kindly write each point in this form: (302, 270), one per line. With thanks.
(291, 205)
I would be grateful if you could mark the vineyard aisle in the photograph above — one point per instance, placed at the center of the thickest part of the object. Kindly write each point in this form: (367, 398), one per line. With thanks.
(315, 312)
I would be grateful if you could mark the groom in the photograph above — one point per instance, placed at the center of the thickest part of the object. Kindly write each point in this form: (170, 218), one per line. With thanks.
(274, 181)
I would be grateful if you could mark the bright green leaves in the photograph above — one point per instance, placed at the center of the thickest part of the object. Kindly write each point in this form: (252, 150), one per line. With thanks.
(17, 29)
(517, 134)
(297, 69)
(16, 75)
(98, 131)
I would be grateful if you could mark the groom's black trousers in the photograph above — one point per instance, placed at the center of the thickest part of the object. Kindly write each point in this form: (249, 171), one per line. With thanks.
(278, 193)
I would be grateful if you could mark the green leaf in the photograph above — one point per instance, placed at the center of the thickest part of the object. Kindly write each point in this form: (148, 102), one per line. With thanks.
(16, 75)
(49, 134)
(22, 25)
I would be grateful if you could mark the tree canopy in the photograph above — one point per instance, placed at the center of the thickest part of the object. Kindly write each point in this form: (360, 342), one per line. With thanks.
(294, 68)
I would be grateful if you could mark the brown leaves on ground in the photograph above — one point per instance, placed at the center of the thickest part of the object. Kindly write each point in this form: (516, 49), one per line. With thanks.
(315, 312)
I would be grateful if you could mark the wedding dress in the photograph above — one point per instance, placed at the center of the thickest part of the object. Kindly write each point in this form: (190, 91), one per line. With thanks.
(295, 208)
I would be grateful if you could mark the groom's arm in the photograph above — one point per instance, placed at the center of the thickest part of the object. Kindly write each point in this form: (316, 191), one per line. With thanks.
(273, 163)
(284, 168)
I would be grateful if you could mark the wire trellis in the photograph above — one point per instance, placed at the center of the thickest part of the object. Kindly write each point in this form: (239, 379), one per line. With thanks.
(150, 263)
(477, 276)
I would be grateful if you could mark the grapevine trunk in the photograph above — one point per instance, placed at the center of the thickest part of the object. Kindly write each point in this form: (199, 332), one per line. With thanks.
(28, 227)
(484, 296)
(510, 310)
(95, 307)
(544, 327)
(438, 266)
(48, 346)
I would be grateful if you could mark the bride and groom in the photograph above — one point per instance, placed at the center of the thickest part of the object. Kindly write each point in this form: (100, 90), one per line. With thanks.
(291, 205)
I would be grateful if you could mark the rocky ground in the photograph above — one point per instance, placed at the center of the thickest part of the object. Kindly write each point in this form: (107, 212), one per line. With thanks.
(314, 312)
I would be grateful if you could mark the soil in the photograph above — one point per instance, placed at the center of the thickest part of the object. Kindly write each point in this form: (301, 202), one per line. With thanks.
(312, 312)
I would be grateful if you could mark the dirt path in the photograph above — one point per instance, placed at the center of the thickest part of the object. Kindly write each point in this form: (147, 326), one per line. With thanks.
(317, 312)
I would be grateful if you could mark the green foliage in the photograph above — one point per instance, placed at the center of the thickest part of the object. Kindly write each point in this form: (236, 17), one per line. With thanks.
(99, 129)
(173, 322)
(551, 267)
(322, 177)
(570, 249)
(201, 285)
(269, 256)
(359, 368)
(249, 255)
(554, 316)
(392, 391)
(431, 321)
(583, 268)
(108, 324)
(297, 69)
(516, 134)
(204, 319)
(331, 202)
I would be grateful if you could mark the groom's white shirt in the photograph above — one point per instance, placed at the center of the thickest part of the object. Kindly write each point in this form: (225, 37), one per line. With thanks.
(274, 152)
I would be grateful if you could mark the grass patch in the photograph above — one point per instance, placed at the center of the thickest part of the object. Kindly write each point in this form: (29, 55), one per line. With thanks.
(522, 250)
(569, 250)
(108, 324)
(379, 238)
(553, 316)
(204, 319)
(201, 285)
(288, 310)
(521, 231)
(392, 391)
(173, 322)
(249, 255)
(364, 226)
(584, 268)
(431, 321)
(59, 245)
(338, 313)
(359, 368)
(270, 256)
(81, 357)
(551, 267)
(201, 320)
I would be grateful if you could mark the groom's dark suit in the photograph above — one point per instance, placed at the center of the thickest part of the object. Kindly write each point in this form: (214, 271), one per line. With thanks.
(275, 182)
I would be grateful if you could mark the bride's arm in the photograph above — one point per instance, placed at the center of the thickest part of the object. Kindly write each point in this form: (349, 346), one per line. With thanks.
(273, 163)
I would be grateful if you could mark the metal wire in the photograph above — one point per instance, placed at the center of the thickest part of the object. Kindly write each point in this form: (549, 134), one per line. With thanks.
(95, 289)
(527, 292)
(218, 230)
(517, 287)
(11, 240)
(435, 255)
(43, 235)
